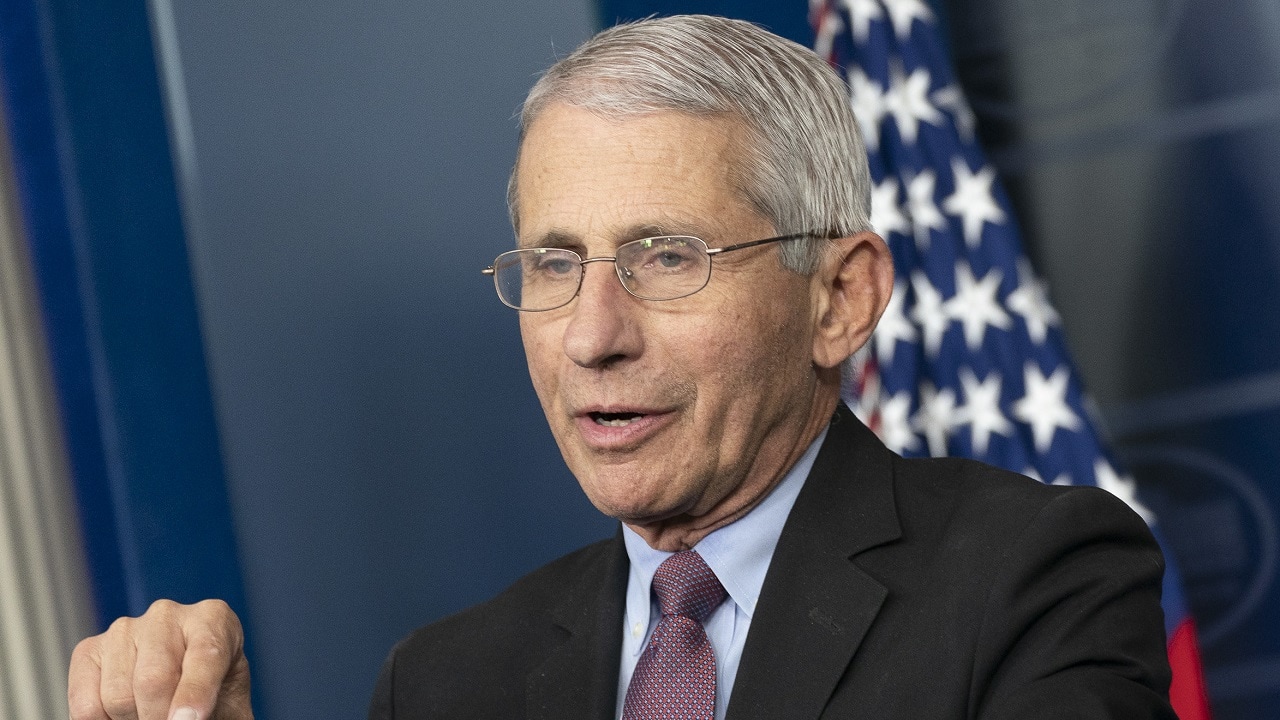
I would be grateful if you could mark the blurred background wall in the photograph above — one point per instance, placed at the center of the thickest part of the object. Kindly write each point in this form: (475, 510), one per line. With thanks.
(257, 230)
(344, 178)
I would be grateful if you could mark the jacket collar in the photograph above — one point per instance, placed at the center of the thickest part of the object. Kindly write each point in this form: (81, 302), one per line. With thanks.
(579, 678)
(816, 604)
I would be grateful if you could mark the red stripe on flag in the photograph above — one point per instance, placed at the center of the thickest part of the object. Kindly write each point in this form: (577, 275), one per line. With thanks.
(1187, 693)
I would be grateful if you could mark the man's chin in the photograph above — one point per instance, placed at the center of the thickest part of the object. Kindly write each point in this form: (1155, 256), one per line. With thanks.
(638, 511)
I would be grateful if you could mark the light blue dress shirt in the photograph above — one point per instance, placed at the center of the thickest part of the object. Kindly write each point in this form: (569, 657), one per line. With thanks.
(739, 555)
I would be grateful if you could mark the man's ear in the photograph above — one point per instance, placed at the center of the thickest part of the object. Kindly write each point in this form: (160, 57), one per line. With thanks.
(852, 289)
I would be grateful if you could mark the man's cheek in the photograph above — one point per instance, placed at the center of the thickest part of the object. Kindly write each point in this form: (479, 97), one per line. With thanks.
(541, 356)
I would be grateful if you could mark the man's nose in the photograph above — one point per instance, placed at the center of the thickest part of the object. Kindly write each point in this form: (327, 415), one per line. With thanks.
(604, 326)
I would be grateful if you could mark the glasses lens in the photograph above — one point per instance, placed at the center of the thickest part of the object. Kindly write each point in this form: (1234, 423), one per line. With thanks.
(664, 268)
(537, 278)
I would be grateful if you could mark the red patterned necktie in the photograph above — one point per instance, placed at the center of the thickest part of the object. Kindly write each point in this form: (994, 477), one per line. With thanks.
(676, 676)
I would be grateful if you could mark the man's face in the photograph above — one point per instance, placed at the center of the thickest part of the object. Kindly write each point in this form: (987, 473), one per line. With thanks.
(676, 410)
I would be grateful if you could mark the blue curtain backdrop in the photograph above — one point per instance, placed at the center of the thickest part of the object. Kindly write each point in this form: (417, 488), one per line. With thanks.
(100, 211)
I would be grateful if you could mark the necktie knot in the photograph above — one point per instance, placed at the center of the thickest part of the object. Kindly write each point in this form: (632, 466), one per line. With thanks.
(687, 587)
(675, 678)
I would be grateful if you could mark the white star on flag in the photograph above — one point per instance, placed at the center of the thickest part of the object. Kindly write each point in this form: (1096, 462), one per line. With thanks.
(1122, 486)
(952, 99)
(1044, 405)
(908, 101)
(972, 200)
(886, 213)
(925, 215)
(1031, 301)
(862, 12)
(975, 304)
(902, 13)
(928, 312)
(981, 409)
(895, 429)
(868, 105)
(894, 325)
(936, 417)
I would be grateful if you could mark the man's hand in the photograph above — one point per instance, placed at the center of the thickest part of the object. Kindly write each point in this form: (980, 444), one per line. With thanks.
(176, 662)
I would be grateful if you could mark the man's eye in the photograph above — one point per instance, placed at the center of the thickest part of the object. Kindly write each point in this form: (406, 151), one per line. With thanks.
(554, 266)
(671, 259)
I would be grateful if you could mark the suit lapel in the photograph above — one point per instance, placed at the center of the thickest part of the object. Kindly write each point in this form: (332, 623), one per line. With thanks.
(579, 678)
(816, 604)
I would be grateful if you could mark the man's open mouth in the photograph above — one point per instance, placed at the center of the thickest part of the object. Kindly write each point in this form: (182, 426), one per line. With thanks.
(619, 419)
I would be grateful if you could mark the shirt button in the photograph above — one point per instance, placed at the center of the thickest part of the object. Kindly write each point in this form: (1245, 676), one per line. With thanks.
(636, 630)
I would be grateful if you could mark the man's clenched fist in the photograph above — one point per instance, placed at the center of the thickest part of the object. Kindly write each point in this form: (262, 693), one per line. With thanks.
(176, 662)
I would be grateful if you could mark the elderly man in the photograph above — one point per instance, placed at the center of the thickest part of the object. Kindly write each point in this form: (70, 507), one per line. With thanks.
(694, 265)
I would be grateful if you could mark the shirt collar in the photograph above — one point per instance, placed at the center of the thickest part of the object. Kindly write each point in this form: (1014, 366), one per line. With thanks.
(738, 553)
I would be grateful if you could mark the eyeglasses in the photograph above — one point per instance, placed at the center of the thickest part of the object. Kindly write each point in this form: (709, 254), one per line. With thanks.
(657, 268)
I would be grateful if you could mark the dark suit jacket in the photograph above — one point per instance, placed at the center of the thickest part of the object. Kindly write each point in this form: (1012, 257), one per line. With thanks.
(912, 589)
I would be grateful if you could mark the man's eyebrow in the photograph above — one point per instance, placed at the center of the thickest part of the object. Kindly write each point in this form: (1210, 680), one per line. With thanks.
(557, 238)
(647, 230)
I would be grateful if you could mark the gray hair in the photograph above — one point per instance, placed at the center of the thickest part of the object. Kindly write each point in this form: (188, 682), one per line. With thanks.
(806, 168)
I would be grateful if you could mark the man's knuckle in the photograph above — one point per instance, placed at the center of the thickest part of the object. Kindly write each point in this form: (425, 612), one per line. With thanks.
(85, 649)
(163, 608)
(83, 707)
(214, 606)
(209, 646)
(121, 626)
(219, 613)
(118, 699)
(221, 621)
(152, 683)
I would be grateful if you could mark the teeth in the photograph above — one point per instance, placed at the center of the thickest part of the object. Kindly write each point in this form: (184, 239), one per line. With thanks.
(619, 419)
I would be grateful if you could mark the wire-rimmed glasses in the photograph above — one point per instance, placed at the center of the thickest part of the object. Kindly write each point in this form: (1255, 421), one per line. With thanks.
(666, 267)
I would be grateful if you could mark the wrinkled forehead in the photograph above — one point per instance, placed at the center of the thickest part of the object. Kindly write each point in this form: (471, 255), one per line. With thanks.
(569, 147)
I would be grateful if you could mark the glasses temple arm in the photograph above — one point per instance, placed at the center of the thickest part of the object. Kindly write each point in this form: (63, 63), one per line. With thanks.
(754, 243)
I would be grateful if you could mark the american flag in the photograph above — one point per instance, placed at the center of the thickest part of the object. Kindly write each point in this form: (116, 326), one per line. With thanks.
(969, 359)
